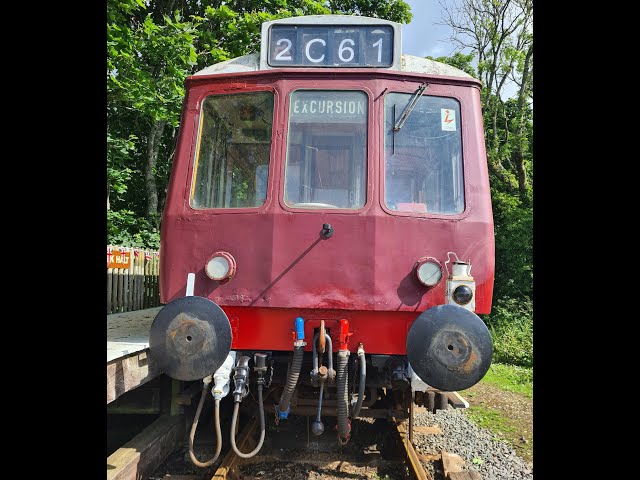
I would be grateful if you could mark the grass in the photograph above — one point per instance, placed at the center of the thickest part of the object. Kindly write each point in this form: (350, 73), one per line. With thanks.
(511, 378)
(492, 404)
(491, 419)
(504, 428)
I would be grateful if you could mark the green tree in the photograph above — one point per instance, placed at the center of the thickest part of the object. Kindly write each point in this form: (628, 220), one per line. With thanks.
(147, 65)
(500, 36)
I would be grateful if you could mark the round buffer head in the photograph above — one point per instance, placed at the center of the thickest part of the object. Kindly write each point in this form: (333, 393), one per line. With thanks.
(449, 347)
(190, 338)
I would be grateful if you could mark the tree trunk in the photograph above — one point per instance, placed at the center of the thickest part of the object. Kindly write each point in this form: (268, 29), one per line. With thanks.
(153, 146)
(506, 177)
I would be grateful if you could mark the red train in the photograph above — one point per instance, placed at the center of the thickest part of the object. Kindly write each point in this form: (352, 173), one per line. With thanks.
(329, 195)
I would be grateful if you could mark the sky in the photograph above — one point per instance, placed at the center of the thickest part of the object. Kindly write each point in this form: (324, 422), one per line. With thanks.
(422, 37)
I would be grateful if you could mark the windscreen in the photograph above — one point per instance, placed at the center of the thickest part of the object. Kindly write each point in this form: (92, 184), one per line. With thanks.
(423, 159)
(327, 150)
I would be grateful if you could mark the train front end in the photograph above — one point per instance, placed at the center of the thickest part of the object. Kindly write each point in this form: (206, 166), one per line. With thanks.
(329, 197)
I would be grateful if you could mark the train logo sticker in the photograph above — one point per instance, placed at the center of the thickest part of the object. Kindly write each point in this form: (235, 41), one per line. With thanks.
(448, 119)
(118, 259)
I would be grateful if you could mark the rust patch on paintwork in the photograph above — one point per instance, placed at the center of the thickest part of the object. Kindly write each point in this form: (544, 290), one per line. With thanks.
(467, 366)
(334, 303)
(332, 298)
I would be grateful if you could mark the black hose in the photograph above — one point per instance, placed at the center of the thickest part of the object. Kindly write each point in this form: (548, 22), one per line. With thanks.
(363, 379)
(343, 397)
(194, 425)
(234, 420)
(292, 379)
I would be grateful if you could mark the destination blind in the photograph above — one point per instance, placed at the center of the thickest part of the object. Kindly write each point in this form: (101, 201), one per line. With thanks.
(330, 46)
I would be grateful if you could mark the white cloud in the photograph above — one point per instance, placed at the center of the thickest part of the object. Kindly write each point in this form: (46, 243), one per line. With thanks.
(435, 51)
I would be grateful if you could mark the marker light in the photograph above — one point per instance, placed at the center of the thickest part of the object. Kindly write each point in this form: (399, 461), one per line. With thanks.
(462, 294)
(429, 271)
(220, 266)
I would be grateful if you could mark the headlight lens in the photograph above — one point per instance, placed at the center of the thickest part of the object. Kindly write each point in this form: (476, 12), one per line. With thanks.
(220, 266)
(429, 272)
(462, 294)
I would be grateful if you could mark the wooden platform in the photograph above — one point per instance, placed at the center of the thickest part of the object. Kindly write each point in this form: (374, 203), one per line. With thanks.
(139, 457)
(128, 362)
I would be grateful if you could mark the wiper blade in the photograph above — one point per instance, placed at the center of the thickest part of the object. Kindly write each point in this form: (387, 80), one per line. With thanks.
(410, 106)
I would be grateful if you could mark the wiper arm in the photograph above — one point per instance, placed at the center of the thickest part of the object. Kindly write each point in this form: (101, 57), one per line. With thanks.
(410, 106)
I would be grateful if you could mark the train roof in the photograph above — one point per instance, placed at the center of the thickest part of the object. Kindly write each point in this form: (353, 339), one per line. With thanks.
(409, 63)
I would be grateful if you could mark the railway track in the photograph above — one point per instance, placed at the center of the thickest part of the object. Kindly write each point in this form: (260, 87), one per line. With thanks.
(293, 453)
(382, 450)
(404, 430)
(379, 448)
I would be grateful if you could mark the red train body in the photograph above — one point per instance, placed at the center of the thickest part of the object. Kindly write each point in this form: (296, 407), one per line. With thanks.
(365, 271)
(329, 182)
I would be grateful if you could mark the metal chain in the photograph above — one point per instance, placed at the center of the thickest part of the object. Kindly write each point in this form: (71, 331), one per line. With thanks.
(268, 384)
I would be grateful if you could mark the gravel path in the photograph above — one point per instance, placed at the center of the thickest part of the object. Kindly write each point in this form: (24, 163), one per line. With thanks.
(494, 460)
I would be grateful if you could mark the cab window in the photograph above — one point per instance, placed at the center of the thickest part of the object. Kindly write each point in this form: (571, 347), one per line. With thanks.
(423, 159)
(234, 147)
(327, 150)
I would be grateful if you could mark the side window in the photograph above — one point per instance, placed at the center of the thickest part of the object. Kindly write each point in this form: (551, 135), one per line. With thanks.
(234, 146)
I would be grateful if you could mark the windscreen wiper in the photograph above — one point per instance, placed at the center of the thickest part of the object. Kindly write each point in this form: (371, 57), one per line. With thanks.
(410, 106)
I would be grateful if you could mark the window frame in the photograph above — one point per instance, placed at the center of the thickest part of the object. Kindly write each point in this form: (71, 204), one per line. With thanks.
(434, 90)
(199, 121)
(370, 146)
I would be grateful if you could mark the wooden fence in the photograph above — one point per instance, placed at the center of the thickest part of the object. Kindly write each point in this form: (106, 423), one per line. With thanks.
(134, 287)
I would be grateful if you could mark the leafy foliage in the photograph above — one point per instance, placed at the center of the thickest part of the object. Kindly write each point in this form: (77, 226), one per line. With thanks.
(147, 62)
(513, 223)
(119, 155)
(125, 228)
(511, 327)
